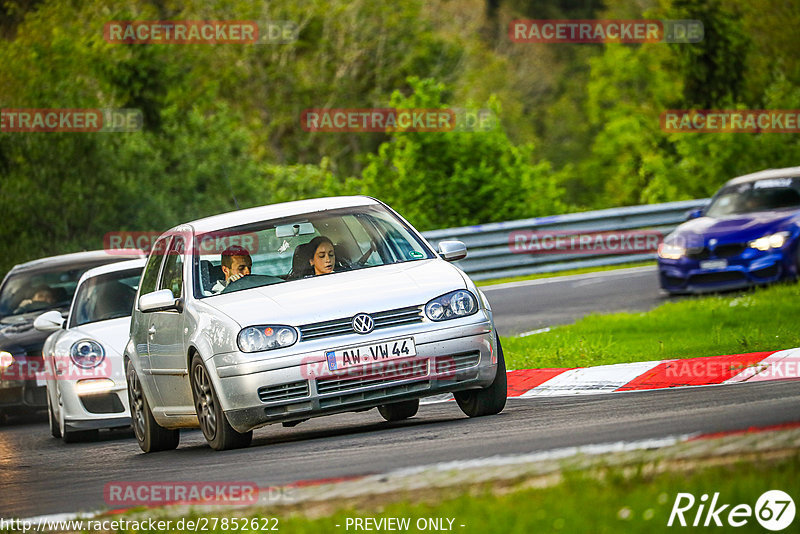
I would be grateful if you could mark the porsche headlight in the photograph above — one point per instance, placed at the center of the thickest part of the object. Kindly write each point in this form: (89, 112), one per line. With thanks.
(776, 240)
(266, 337)
(670, 251)
(452, 305)
(87, 353)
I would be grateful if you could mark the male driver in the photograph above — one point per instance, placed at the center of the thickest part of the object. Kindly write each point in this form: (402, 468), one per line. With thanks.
(236, 263)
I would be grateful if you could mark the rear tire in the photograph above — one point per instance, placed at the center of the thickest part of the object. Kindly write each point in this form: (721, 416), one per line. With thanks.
(219, 434)
(397, 411)
(151, 436)
(489, 401)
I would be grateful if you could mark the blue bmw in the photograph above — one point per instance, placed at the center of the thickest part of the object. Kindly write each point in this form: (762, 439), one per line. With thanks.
(747, 235)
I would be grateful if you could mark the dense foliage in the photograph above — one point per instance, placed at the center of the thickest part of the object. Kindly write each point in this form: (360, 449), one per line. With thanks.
(578, 124)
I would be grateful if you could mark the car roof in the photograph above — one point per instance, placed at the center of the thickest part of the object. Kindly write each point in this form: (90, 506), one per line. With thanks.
(114, 267)
(276, 211)
(788, 172)
(76, 259)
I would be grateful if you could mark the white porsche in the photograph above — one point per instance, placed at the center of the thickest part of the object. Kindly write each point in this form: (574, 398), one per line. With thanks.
(84, 372)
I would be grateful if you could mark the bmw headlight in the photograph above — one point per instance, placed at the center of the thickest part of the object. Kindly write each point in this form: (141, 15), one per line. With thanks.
(776, 240)
(266, 337)
(451, 306)
(87, 353)
(670, 251)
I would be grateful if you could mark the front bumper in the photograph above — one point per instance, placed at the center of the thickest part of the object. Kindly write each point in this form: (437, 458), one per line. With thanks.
(102, 410)
(751, 268)
(22, 396)
(447, 360)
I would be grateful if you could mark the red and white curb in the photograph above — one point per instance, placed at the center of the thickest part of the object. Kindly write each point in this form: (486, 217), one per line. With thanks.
(639, 376)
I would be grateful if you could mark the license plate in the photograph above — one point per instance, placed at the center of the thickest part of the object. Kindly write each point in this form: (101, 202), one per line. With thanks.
(713, 264)
(366, 354)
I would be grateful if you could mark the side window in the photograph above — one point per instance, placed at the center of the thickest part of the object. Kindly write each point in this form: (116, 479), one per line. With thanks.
(172, 276)
(150, 275)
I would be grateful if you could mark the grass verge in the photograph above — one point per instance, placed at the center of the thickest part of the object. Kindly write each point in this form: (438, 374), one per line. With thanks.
(634, 498)
(756, 320)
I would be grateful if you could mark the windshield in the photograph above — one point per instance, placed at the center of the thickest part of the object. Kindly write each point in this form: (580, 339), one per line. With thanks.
(38, 291)
(104, 297)
(763, 195)
(285, 250)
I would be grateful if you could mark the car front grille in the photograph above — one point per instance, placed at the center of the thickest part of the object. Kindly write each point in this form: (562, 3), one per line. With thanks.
(717, 278)
(284, 392)
(373, 375)
(728, 250)
(343, 326)
(459, 362)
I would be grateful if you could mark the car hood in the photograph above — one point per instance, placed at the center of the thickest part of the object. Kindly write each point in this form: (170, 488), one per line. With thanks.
(736, 228)
(18, 336)
(112, 334)
(341, 294)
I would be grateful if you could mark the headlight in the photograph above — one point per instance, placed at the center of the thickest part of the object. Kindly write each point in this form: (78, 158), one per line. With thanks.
(87, 353)
(266, 337)
(6, 359)
(671, 252)
(451, 306)
(767, 242)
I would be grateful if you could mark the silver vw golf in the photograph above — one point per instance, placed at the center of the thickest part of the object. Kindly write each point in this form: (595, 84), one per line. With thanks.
(285, 312)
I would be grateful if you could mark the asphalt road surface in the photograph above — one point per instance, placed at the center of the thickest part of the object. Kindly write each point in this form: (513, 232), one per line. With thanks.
(41, 475)
(524, 306)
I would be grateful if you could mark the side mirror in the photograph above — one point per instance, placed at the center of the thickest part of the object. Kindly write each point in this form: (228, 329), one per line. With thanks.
(452, 250)
(694, 214)
(162, 300)
(49, 321)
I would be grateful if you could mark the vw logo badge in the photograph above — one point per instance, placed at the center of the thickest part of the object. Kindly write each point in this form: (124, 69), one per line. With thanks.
(712, 242)
(363, 323)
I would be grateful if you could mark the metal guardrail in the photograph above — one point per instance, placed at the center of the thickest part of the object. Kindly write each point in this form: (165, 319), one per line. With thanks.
(490, 256)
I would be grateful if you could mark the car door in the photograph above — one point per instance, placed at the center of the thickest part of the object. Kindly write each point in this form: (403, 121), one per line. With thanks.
(166, 335)
(140, 320)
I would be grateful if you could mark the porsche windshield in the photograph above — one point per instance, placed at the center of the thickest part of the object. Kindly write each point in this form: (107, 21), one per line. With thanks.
(107, 296)
(300, 247)
(763, 195)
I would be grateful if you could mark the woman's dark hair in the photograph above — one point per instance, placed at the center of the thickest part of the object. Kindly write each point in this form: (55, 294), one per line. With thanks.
(301, 266)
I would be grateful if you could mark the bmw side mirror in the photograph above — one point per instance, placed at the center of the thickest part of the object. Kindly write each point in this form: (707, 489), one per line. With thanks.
(452, 250)
(161, 300)
(49, 321)
(694, 214)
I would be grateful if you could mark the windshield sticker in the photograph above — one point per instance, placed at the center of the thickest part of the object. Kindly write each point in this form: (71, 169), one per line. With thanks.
(416, 254)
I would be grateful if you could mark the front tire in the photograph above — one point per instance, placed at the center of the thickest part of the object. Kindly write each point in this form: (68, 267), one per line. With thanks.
(397, 411)
(55, 429)
(489, 401)
(151, 436)
(219, 434)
